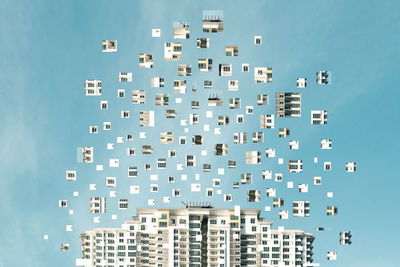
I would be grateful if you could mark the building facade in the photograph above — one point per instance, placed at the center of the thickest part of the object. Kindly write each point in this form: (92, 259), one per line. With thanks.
(288, 105)
(319, 117)
(195, 237)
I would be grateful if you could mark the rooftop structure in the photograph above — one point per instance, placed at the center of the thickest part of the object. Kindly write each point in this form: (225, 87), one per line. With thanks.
(213, 21)
(181, 30)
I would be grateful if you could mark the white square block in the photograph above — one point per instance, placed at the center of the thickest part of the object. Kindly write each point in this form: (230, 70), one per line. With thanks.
(204, 152)
(289, 184)
(329, 194)
(99, 167)
(221, 171)
(92, 187)
(195, 187)
(155, 33)
(206, 127)
(110, 146)
(142, 135)
(280, 161)
(114, 163)
(114, 217)
(134, 189)
(178, 100)
(209, 114)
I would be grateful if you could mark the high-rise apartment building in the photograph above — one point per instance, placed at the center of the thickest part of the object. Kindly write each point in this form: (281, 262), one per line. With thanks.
(213, 21)
(196, 236)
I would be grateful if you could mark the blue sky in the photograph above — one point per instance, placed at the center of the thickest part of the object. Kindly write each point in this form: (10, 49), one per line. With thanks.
(49, 48)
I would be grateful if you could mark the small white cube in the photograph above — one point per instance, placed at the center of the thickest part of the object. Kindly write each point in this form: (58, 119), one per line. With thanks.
(155, 33)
